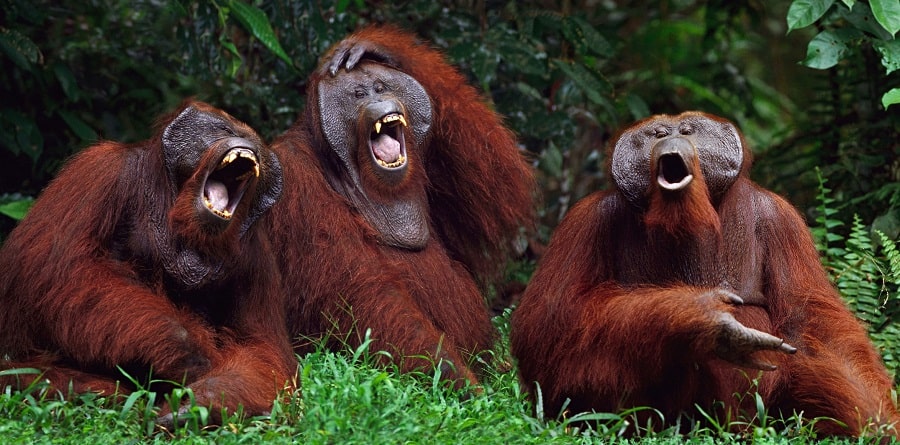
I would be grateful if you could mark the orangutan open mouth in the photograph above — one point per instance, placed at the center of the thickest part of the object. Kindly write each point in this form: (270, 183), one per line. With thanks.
(387, 142)
(674, 172)
(226, 185)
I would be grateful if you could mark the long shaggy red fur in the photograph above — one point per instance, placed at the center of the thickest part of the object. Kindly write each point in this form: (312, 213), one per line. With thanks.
(83, 290)
(617, 316)
(423, 306)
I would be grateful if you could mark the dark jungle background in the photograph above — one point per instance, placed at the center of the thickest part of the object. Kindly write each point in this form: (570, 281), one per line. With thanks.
(810, 83)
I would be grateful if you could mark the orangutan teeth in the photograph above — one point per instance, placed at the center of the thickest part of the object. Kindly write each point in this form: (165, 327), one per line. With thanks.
(388, 119)
(400, 161)
(229, 158)
(224, 214)
(240, 153)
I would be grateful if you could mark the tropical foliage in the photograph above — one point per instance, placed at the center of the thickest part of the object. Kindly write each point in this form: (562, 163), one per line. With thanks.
(813, 84)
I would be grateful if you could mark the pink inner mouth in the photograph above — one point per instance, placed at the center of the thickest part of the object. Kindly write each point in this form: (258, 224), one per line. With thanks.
(217, 194)
(386, 148)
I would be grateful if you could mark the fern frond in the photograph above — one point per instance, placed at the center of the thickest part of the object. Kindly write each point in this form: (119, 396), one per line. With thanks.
(823, 232)
(868, 281)
(892, 254)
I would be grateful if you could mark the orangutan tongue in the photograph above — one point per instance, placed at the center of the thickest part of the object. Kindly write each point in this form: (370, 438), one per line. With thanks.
(217, 194)
(386, 148)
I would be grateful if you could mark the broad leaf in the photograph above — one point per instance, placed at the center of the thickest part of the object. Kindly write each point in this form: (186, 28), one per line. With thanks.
(591, 84)
(255, 21)
(585, 37)
(827, 48)
(78, 126)
(890, 98)
(862, 18)
(67, 81)
(484, 62)
(16, 209)
(521, 54)
(887, 12)
(551, 160)
(637, 107)
(890, 54)
(234, 62)
(700, 90)
(803, 13)
(19, 48)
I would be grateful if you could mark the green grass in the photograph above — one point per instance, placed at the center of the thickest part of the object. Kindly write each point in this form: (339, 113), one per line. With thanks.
(348, 400)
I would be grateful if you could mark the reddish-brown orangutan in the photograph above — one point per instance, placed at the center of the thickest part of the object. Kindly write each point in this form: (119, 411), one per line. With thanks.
(678, 284)
(403, 193)
(146, 258)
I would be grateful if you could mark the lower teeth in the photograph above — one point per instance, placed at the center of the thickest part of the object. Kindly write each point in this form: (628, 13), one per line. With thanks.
(222, 213)
(396, 163)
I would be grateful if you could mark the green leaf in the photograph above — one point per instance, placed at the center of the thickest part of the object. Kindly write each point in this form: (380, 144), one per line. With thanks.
(700, 90)
(21, 371)
(16, 209)
(890, 54)
(592, 85)
(890, 98)
(861, 18)
(67, 81)
(19, 48)
(636, 106)
(887, 13)
(585, 37)
(516, 51)
(129, 403)
(827, 48)
(255, 21)
(803, 13)
(484, 63)
(849, 3)
(78, 126)
(529, 90)
(235, 62)
(551, 160)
